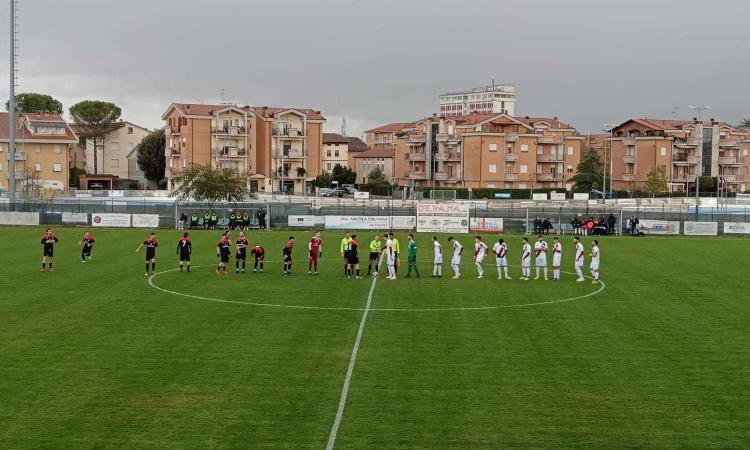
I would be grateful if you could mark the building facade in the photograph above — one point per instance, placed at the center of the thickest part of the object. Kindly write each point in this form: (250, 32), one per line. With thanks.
(43, 143)
(280, 148)
(493, 99)
(366, 162)
(488, 151)
(335, 151)
(686, 149)
(113, 157)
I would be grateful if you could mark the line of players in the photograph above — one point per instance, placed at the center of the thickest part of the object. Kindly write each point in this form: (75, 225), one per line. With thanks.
(350, 252)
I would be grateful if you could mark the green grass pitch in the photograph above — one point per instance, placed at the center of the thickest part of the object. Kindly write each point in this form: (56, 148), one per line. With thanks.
(93, 356)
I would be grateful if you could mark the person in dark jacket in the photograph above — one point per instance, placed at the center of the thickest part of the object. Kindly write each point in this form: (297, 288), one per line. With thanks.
(611, 222)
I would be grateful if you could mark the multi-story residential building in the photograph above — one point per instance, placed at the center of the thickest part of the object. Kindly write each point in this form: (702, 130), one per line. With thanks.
(281, 148)
(488, 151)
(335, 151)
(496, 98)
(367, 161)
(43, 144)
(384, 138)
(113, 156)
(356, 146)
(685, 148)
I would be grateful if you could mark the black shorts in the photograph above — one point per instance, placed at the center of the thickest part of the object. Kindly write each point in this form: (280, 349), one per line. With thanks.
(150, 254)
(287, 256)
(48, 252)
(259, 258)
(241, 254)
(351, 258)
(184, 256)
(374, 256)
(224, 257)
(87, 250)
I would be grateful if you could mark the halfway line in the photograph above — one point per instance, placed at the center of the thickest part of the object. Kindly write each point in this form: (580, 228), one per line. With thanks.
(350, 370)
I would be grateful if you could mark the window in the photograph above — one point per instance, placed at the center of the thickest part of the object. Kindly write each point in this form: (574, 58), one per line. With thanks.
(115, 146)
(130, 146)
(57, 167)
(38, 167)
(336, 153)
(569, 169)
(328, 166)
(744, 152)
(1, 167)
(1, 148)
(38, 148)
(115, 163)
(493, 147)
(570, 151)
(521, 185)
(524, 147)
(130, 130)
(524, 168)
(491, 185)
(328, 153)
(493, 168)
(539, 150)
(184, 163)
(663, 151)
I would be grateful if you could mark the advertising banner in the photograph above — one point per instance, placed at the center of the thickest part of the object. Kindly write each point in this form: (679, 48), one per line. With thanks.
(69, 217)
(538, 196)
(442, 218)
(19, 218)
(357, 222)
(403, 222)
(145, 220)
(502, 194)
(580, 196)
(486, 225)
(557, 196)
(659, 226)
(110, 220)
(701, 228)
(301, 221)
(361, 195)
(743, 197)
(736, 228)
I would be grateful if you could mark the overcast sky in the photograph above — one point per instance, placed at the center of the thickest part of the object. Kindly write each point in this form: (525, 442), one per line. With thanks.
(589, 62)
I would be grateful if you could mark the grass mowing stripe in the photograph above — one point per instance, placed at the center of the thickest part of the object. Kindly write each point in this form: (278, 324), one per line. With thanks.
(350, 369)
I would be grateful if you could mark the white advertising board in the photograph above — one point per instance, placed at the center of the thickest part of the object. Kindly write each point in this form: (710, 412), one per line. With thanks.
(557, 196)
(580, 196)
(743, 197)
(736, 228)
(486, 225)
(301, 221)
(19, 218)
(361, 195)
(70, 217)
(83, 194)
(403, 222)
(145, 220)
(648, 226)
(110, 220)
(357, 222)
(116, 194)
(701, 228)
(442, 218)
(542, 196)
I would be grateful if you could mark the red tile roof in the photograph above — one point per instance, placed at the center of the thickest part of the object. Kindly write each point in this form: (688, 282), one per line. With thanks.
(269, 111)
(376, 153)
(198, 109)
(23, 134)
(357, 145)
(669, 124)
(334, 138)
(552, 121)
(391, 127)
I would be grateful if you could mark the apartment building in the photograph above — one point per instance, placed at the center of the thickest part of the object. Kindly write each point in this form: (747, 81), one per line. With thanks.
(488, 151)
(366, 162)
(384, 138)
(335, 151)
(493, 99)
(356, 146)
(281, 148)
(43, 143)
(685, 148)
(114, 155)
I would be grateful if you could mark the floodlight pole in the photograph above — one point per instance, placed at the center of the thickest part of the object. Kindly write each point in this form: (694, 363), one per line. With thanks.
(12, 108)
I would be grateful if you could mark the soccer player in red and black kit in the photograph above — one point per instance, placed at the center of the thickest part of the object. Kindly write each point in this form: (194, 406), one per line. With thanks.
(88, 244)
(150, 243)
(185, 249)
(259, 253)
(352, 257)
(223, 250)
(48, 242)
(288, 256)
(241, 244)
(316, 251)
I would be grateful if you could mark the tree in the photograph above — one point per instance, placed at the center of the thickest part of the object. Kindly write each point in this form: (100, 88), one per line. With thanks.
(30, 103)
(343, 175)
(657, 181)
(323, 180)
(150, 154)
(205, 183)
(589, 172)
(377, 184)
(97, 121)
(745, 123)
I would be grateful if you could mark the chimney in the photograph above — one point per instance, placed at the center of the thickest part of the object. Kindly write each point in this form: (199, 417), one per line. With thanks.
(187, 107)
(527, 117)
(712, 121)
(554, 118)
(695, 120)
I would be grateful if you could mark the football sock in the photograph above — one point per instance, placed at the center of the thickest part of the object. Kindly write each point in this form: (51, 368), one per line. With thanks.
(146, 267)
(153, 267)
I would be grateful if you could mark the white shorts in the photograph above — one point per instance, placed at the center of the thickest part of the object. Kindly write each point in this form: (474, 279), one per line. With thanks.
(456, 261)
(594, 266)
(438, 260)
(480, 259)
(578, 263)
(526, 263)
(556, 260)
(541, 261)
(502, 262)
(391, 261)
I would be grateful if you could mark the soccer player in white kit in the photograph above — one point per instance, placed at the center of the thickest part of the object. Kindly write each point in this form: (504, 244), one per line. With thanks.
(578, 262)
(390, 259)
(480, 250)
(595, 255)
(540, 249)
(556, 259)
(456, 260)
(500, 249)
(525, 260)
(437, 262)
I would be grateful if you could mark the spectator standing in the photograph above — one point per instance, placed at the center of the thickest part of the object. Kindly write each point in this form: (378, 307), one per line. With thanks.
(261, 218)
(611, 222)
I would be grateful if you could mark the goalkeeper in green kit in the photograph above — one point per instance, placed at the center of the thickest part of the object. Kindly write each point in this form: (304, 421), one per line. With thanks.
(412, 249)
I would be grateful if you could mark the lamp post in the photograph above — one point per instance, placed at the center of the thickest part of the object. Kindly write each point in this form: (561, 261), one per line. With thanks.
(698, 171)
(608, 127)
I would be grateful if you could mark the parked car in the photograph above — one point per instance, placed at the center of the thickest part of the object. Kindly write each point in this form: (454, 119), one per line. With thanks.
(337, 192)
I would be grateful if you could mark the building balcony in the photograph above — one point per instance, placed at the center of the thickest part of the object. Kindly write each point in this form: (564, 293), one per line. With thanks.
(288, 133)
(728, 144)
(688, 143)
(20, 156)
(732, 178)
(170, 152)
(510, 177)
(682, 178)
(382, 142)
(549, 140)
(230, 131)
(440, 176)
(729, 161)
(169, 131)
(628, 159)
(230, 152)
(20, 175)
(291, 155)
(630, 142)
(445, 138)
(453, 157)
(549, 158)
(417, 139)
(628, 177)
(683, 160)
(511, 137)
(549, 177)
(417, 156)
(414, 175)
(511, 157)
